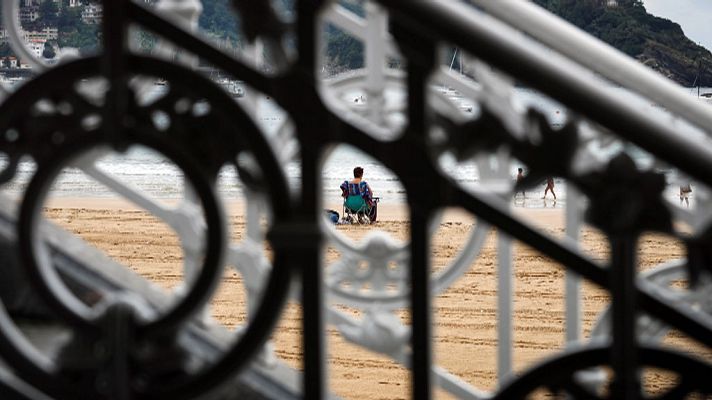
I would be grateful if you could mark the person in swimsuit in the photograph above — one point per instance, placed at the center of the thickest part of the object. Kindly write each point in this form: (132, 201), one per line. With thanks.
(520, 176)
(549, 186)
(685, 191)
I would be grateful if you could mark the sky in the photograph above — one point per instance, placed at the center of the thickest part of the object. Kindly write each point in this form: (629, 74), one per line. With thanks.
(694, 16)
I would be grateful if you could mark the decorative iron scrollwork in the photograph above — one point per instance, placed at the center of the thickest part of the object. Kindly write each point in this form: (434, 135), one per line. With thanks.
(121, 348)
(564, 376)
(199, 136)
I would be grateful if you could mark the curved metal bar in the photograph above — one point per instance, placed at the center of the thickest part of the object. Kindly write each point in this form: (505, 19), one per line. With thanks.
(355, 25)
(691, 322)
(373, 115)
(185, 219)
(471, 249)
(239, 355)
(47, 280)
(10, 14)
(24, 357)
(561, 370)
(663, 275)
(10, 169)
(24, 98)
(4, 91)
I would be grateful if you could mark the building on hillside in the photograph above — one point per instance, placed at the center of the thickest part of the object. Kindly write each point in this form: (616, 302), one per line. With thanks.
(75, 3)
(36, 47)
(10, 62)
(29, 14)
(43, 35)
(48, 33)
(92, 14)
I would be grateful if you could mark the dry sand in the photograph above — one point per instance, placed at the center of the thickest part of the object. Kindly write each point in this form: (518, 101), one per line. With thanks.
(465, 336)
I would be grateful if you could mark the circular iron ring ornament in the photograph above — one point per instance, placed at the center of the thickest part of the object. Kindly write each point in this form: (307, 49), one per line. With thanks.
(51, 156)
(563, 374)
(58, 297)
(665, 276)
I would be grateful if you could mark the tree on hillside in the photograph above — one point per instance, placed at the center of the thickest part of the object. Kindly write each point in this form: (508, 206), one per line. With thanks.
(48, 13)
(69, 19)
(343, 51)
(73, 32)
(6, 50)
(655, 41)
(48, 51)
(218, 18)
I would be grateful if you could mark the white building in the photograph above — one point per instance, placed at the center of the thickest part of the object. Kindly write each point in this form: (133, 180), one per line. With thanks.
(48, 33)
(37, 48)
(28, 3)
(92, 14)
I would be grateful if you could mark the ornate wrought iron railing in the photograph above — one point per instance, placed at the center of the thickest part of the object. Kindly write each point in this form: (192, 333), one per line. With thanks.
(75, 112)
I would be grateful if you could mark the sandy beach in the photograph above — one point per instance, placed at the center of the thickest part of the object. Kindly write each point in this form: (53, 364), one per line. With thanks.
(464, 334)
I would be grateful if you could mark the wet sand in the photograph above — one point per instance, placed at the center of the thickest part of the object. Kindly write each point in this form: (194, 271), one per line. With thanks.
(464, 315)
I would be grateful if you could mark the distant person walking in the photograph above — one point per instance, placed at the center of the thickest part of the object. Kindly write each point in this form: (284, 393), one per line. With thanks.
(520, 176)
(685, 190)
(549, 186)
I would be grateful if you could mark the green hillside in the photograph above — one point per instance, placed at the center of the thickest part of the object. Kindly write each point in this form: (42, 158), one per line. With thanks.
(654, 41)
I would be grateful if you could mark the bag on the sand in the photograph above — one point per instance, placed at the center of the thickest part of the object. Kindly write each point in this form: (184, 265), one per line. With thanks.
(373, 213)
(332, 215)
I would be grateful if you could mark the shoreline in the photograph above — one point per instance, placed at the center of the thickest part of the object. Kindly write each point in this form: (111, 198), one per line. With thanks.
(546, 217)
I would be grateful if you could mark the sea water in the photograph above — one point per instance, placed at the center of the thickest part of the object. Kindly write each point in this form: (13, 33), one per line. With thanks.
(154, 175)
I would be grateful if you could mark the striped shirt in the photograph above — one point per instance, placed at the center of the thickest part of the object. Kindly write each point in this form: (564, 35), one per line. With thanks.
(357, 189)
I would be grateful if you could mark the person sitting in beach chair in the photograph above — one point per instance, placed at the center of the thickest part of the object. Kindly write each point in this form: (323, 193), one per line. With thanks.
(359, 204)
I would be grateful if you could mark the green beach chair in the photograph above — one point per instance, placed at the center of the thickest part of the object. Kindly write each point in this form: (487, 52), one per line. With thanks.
(356, 210)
